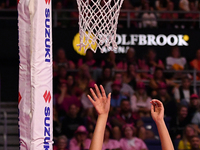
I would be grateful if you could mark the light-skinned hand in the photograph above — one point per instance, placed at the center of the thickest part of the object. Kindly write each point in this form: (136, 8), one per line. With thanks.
(157, 110)
(100, 101)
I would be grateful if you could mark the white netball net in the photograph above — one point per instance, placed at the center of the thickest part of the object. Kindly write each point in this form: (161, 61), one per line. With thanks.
(98, 21)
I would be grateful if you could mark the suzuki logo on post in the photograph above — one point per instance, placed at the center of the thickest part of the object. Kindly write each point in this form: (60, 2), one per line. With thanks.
(19, 98)
(47, 97)
(47, 1)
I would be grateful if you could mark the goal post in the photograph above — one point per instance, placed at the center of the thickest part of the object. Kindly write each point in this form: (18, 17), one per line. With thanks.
(35, 74)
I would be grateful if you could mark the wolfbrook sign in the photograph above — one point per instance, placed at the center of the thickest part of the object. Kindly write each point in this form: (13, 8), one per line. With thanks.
(126, 40)
(153, 40)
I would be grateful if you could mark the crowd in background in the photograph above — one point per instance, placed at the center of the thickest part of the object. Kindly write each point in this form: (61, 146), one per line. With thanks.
(75, 117)
(139, 19)
(148, 19)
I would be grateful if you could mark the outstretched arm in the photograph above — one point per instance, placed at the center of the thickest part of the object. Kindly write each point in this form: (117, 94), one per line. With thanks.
(102, 106)
(157, 113)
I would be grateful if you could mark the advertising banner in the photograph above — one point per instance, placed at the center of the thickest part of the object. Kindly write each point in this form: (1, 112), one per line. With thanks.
(140, 39)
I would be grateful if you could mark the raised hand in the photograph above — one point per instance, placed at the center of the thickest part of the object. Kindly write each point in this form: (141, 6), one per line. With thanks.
(100, 101)
(157, 110)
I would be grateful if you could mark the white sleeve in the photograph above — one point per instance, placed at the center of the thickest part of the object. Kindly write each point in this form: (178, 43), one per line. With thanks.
(176, 94)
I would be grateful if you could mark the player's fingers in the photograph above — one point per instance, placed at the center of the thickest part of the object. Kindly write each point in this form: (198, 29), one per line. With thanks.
(97, 91)
(103, 91)
(91, 100)
(152, 108)
(93, 94)
(157, 102)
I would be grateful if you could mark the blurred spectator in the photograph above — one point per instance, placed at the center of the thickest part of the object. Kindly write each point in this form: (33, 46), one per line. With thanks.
(110, 61)
(182, 94)
(130, 58)
(116, 133)
(61, 143)
(189, 131)
(140, 102)
(116, 96)
(84, 99)
(73, 14)
(83, 77)
(127, 6)
(2, 4)
(153, 62)
(171, 16)
(80, 140)
(125, 89)
(71, 121)
(90, 115)
(73, 89)
(161, 4)
(195, 63)
(175, 61)
(196, 121)
(179, 122)
(157, 79)
(130, 141)
(192, 16)
(109, 143)
(61, 60)
(130, 76)
(125, 115)
(61, 77)
(60, 15)
(193, 106)
(88, 59)
(195, 142)
(64, 99)
(150, 63)
(144, 67)
(184, 5)
(148, 18)
(105, 77)
(168, 103)
(56, 124)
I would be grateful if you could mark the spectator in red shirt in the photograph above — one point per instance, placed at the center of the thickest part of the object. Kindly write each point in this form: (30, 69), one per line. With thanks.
(192, 16)
(170, 16)
(195, 63)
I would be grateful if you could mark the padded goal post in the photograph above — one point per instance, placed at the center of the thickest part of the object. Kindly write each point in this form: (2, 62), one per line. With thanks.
(35, 75)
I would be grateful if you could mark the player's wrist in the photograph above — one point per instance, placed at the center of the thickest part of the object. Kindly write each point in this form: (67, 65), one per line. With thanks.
(159, 121)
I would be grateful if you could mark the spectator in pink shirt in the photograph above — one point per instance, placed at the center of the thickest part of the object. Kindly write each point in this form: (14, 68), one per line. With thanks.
(107, 142)
(80, 140)
(64, 99)
(130, 142)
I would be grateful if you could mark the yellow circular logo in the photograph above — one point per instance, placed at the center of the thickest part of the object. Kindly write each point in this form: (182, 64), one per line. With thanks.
(186, 37)
(76, 41)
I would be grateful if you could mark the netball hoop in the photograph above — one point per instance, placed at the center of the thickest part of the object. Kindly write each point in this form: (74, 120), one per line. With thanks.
(98, 21)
